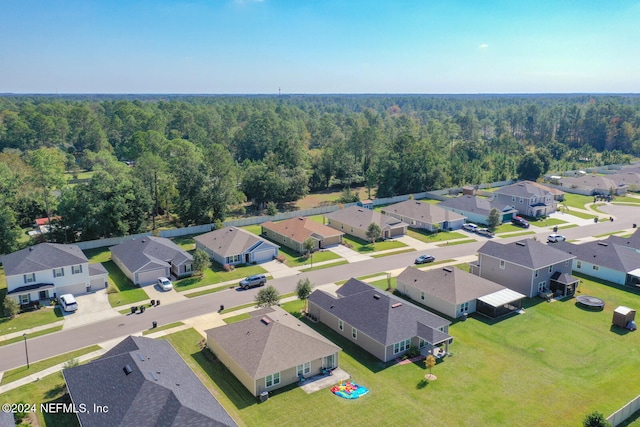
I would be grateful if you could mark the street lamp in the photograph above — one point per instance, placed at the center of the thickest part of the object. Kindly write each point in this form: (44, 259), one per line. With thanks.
(26, 351)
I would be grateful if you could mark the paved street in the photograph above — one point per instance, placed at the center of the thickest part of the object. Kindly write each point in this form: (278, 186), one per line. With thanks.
(46, 346)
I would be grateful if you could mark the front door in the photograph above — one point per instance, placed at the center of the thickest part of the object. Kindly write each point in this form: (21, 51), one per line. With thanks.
(329, 362)
(43, 295)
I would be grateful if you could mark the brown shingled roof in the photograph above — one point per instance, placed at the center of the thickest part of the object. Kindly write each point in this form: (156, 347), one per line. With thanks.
(300, 229)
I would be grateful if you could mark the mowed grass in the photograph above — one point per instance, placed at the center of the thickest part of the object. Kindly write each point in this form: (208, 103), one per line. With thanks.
(501, 372)
(32, 335)
(216, 274)
(362, 246)
(576, 200)
(428, 237)
(29, 320)
(294, 259)
(128, 293)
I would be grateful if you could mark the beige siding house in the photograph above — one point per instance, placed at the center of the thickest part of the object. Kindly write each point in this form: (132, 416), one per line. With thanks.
(355, 221)
(295, 231)
(425, 215)
(233, 246)
(271, 350)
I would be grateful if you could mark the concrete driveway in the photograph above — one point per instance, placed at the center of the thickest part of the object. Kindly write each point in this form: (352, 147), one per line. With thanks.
(165, 297)
(278, 269)
(92, 307)
(348, 254)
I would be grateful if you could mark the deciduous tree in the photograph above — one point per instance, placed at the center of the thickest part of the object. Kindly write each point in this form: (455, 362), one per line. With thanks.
(266, 297)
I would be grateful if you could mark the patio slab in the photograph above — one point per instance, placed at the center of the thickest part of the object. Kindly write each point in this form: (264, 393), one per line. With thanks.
(320, 382)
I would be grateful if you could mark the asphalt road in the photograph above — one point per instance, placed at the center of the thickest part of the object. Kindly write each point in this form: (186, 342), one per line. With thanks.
(12, 356)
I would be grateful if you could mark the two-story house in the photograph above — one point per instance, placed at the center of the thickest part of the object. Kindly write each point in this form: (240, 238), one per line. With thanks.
(530, 199)
(526, 266)
(49, 269)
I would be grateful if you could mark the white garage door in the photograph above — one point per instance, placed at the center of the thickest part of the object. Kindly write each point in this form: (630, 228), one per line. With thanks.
(263, 256)
(147, 277)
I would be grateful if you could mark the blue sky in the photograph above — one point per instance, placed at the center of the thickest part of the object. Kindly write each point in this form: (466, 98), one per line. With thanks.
(319, 46)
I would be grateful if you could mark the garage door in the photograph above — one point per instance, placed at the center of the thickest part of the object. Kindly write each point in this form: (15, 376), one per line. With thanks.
(263, 256)
(147, 277)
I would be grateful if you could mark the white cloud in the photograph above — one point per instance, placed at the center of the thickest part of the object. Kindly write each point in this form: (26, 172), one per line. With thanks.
(484, 46)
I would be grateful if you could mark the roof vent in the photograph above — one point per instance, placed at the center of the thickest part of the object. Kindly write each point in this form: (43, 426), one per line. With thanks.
(376, 296)
(141, 357)
(603, 244)
(448, 269)
(396, 305)
(127, 369)
(143, 240)
(265, 320)
(153, 376)
(521, 244)
(30, 248)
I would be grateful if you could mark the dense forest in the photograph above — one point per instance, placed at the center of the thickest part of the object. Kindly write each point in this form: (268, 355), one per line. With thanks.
(194, 158)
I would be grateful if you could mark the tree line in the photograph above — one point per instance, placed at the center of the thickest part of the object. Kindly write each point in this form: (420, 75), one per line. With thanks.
(194, 158)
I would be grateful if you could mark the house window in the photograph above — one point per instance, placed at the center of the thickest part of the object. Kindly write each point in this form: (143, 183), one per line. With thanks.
(502, 264)
(550, 268)
(352, 229)
(535, 273)
(521, 200)
(354, 333)
(272, 380)
(24, 299)
(423, 343)
(29, 278)
(464, 307)
(188, 268)
(303, 369)
(513, 198)
(284, 240)
(76, 269)
(533, 199)
(579, 264)
(342, 226)
(422, 295)
(566, 263)
(401, 346)
(542, 285)
(341, 325)
(595, 267)
(58, 272)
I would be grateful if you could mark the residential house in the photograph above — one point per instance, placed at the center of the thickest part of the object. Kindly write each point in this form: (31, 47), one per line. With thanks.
(144, 260)
(355, 221)
(425, 215)
(476, 209)
(558, 194)
(271, 350)
(605, 260)
(233, 246)
(49, 269)
(382, 324)
(530, 199)
(592, 185)
(457, 293)
(526, 266)
(295, 231)
(142, 382)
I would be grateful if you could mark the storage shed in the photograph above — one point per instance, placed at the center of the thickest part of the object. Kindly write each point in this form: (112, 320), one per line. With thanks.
(623, 315)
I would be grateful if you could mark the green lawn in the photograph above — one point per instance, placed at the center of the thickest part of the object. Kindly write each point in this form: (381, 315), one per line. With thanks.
(255, 229)
(366, 247)
(21, 372)
(581, 215)
(185, 242)
(30, 320)
(547, 222)
(383, 284)
(376, 255)
(32, 335)
(576, 200)
(499, 374)
(320, 267)
(506, 228)
(455, 242)
(237, 318)
(294, 259)
(217, 274)
(626, 199)
(98, 254)
(162, 328)
(427, 237)
(127, 292)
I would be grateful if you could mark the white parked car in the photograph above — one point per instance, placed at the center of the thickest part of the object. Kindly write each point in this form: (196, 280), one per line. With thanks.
(68, 302)
(470, 227)
(165, 284)
(556, 238)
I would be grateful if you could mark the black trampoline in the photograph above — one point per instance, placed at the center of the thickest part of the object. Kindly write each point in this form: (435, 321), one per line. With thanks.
(590, 302)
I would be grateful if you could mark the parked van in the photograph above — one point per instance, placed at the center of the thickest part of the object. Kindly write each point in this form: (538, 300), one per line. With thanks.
(68, 302)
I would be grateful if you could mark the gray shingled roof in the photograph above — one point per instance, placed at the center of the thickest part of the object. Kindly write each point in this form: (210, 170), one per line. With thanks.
(425, 212)
(138, 253)
(359, 217)
(479, 205)
(160, 390)
(229, 241)
(523, 189)
(631, 242)
(528, 253)
(598, 182)
(603, 253)
(44, 256)
(261, 349)
(6, 419)
(449, 283)
(97, 269)
(370, 310)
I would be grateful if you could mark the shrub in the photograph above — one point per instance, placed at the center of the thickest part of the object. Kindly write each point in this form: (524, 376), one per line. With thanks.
(71, 363)
(281, 258)
(227, 267)
(11, 307)
(112, 289)
(413, 351)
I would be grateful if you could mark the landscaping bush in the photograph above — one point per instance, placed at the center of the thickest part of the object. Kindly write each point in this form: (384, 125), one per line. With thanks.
(413, 352)
(112, 289)
(11, 307)
(281, 258)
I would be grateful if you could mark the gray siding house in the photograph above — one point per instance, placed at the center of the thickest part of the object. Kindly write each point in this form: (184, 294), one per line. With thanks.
(425, 215)
(271, 350)
(476, 209)
(232, 245)
(530, 199)
(355, 221)
(381, 323)
(527, 266)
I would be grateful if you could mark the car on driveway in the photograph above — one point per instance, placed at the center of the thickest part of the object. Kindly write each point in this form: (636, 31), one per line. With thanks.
(253, 281)
(470, 227)
(520, 222)
(68, 303)
(165, 284)
(486, 232)
(553, 238)
(423, 259)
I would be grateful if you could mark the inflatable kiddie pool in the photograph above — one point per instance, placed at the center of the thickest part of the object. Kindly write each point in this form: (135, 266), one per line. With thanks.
(349, 390)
